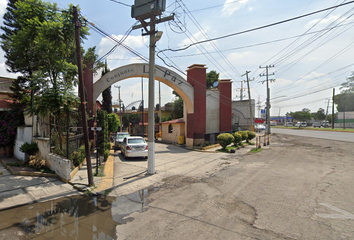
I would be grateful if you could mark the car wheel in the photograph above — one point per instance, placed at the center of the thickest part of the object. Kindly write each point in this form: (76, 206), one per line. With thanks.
(146, 157)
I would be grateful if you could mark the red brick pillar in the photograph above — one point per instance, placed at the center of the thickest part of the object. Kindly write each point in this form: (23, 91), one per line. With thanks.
(225, 109)
(88, 88)
(196, 122)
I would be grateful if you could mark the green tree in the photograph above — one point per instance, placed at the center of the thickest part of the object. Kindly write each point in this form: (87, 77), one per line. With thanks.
(113, 122)
(211, 77)
(177, 106)
(319, 115)
(345, 100)
(301, 116)
(107, 93)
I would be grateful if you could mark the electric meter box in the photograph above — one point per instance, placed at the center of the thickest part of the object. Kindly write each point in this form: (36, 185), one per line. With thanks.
(144, 9)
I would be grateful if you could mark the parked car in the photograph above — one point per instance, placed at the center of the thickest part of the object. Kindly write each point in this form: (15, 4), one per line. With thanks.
(325, 123)
(119, 139)
(301, 124)
(134, 147)
(273, 123)
(259, 127)
(288, 124)
(316, 124)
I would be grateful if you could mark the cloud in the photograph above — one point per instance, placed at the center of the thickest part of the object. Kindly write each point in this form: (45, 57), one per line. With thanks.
(3, 5)
(229, 8)
(326, 21)
(198, 36)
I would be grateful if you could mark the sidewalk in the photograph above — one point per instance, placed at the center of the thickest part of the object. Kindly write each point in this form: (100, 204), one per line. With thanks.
(29, 187)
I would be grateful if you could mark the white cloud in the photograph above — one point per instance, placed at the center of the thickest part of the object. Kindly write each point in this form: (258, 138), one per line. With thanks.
(3, 5)
(333, 18)
(230, 8)
(195, 37)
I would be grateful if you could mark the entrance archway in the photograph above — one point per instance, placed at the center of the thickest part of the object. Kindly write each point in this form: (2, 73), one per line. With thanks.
(162, 74)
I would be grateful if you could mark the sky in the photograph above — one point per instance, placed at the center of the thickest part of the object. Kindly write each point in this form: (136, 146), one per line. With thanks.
(311, 55)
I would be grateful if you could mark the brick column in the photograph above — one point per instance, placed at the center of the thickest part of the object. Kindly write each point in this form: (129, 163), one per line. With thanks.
(196, 122)
(225, 109)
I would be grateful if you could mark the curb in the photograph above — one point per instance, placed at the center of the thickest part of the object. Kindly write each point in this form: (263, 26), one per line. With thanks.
(31, 174)
(107, 180)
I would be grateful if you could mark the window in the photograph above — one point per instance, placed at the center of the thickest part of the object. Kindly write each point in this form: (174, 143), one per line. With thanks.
(170, 128)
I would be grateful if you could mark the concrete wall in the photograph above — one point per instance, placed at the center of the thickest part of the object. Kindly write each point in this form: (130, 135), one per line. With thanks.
(212, 111)
(44, 147)
(241, 113)
(177, 130)
(24, 134)
(60, 165)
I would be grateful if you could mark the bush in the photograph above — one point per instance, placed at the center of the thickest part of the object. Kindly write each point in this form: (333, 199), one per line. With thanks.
(36, 162)
(106, 155)
(250, 135)
(225, 139)
(237, 138)
(78, 156)
(29, 148)
(243, 134)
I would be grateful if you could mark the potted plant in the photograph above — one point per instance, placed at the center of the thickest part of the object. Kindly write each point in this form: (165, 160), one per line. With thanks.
(29, 149)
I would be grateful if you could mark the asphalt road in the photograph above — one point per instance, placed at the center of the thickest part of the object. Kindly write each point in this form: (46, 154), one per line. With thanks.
(337, 136)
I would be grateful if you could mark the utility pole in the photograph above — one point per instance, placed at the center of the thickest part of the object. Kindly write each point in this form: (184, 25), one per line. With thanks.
(268, 95)
(333, 108)
(141, 12)
(160, 107)
(120, 107)
(329, 99)
(82, 98)
(142, 106)
(249, 98)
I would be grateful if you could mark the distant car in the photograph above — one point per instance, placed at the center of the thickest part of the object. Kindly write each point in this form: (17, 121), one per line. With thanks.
(119, 139)
(288, 124)
(316, 124)
(134, 147)
(325, 123)
(259, 127)
(273, 123)
(301, 124)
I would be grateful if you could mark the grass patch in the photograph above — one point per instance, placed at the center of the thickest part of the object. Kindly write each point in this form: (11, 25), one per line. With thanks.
(13, 164)
(255, 150)
(46, 170)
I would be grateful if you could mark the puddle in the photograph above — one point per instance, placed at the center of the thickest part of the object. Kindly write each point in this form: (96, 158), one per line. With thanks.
(75, 217)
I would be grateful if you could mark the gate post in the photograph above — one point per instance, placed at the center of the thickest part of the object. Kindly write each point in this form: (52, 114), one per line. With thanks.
(196, 122)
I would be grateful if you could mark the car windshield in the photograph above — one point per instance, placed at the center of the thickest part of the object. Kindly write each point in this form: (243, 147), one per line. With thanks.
(136, 140)
(122, 136)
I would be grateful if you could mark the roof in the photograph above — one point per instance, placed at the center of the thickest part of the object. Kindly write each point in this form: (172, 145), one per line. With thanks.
(179, 120)
(5, 84)
(4, 103)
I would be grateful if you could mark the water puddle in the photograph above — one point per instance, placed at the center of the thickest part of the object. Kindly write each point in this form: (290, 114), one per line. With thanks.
(75, 217)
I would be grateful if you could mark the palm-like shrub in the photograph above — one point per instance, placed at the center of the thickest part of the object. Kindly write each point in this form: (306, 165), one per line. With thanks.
(225, 139)
(237, 138)
(250, 135)
(243, 134)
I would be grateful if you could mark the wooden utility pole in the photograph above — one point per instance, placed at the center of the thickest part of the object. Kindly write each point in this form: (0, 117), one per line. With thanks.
(249, 98)
(333, 108)
(268, 95)
(82, 98)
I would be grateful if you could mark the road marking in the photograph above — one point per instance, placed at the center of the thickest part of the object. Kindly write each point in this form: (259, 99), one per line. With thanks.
(343, 215)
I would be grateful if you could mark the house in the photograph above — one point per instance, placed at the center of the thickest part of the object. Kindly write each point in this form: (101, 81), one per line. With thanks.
(5, 93)
(173, 131)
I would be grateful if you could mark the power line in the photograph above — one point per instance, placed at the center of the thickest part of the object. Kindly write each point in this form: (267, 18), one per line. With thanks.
(258, 28)
(122, 3)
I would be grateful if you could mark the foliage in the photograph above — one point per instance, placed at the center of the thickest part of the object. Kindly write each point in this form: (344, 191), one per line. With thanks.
(211, 77)
(244, 135)
(177, 107)
(255, 150)
(132, 118)
(36, 162)
(225, 139)
(344, 101)
(237, 138)
(78, 156)
(204, 144)
(250, 135)
(165, 119)
(29, 148)
(301, 116)
(319, 115)
(113, 122)
(106, 94)
(9, 121)
(102, 135)
(348, 86)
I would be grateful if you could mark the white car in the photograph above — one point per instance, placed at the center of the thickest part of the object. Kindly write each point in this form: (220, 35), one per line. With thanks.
(134, 147)
(259, 127)
(288, 124)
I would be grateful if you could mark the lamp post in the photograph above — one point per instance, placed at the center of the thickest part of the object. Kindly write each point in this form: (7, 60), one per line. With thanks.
(120, 108)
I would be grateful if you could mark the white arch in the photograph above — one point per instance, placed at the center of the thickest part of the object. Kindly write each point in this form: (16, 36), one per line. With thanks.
(162, 74)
